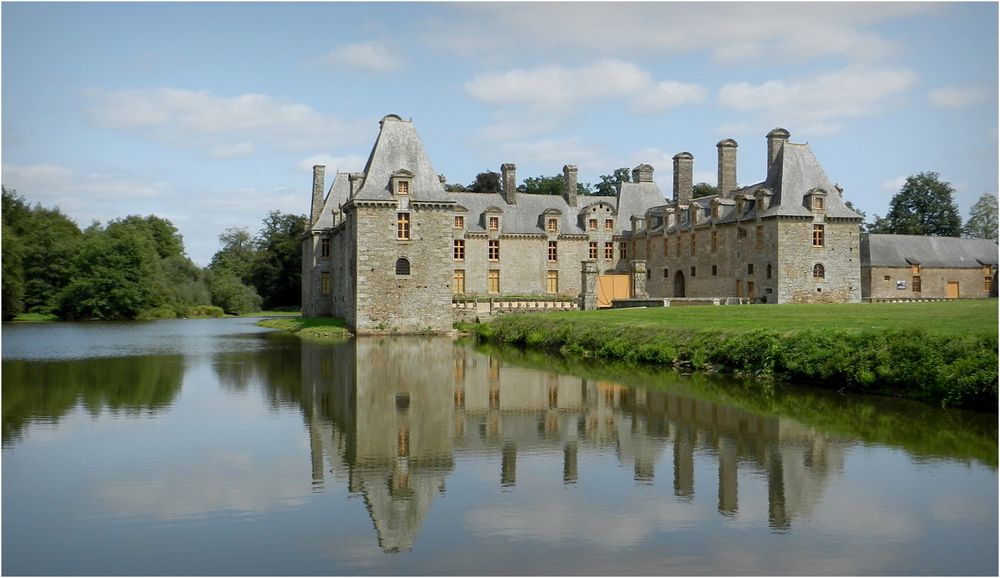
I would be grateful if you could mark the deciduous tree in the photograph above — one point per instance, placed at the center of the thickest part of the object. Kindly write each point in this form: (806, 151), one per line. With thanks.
(924, 205)
(982, 223)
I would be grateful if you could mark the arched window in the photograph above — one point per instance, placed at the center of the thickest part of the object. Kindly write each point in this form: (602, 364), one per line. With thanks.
(818, 271)
(402, 266)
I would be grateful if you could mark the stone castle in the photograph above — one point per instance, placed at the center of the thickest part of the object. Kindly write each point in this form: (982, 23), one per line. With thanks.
(388, 249)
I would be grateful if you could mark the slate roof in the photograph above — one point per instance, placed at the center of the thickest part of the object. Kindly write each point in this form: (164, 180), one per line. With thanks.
(636, 199)
(528, 215)
(340, 190)
(797, 173)
(944, 252)
(398, 147)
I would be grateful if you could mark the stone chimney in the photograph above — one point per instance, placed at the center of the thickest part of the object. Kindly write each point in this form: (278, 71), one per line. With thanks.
(319, 174)
(642, 174)
(508, 183)
(355, 182)
(569, 184)
(727, 165)
(683, 177)
(775, 140)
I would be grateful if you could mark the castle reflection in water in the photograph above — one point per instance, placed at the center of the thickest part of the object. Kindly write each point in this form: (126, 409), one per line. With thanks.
(390, 415)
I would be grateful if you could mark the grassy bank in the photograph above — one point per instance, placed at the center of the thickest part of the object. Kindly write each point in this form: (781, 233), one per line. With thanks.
(309, 327)
(940, 352)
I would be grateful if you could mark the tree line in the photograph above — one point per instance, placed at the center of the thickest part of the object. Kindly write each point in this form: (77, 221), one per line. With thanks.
(136, 267)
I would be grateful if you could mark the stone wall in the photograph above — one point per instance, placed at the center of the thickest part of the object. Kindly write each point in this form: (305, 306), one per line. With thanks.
(839, 257)
(418, 302)
(897, 283)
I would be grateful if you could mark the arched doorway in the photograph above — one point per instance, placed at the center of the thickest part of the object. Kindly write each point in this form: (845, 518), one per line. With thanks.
(679, 284)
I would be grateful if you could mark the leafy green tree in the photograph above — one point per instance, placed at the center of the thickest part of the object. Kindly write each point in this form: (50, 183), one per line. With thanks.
(982, 223)
(863, 225)
(237, 253)
(230, 293)
(487, 182)
(13, 274)
(116, 273)
(608, 187)
(276, 272)
(924, 205)
(704, 190)
(542, 185)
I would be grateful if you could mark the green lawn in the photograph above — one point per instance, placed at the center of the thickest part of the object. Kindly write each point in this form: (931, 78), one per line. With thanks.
(309, 327)
(946, 317)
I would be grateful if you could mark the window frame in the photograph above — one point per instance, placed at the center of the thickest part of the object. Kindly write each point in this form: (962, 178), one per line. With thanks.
(458, 250)
(403, 267)
(493, 250)
(818, 235)
(403, 231)
(553, 251)
(819, 271)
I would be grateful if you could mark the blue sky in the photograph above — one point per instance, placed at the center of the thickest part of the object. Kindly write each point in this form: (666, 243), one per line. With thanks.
(212, 114)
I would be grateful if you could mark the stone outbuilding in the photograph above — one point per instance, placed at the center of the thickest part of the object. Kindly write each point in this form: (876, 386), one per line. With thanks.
(919, 267)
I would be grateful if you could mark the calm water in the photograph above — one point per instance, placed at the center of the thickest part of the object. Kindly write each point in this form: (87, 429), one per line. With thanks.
(215, 447)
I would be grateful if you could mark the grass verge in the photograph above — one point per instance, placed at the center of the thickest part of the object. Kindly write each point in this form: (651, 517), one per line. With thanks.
(309, 327)
(942, 352)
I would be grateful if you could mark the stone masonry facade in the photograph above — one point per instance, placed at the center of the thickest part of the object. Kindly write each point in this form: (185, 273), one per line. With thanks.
(388, 249)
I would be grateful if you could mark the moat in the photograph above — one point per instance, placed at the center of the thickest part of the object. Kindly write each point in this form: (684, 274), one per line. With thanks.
(215, 447)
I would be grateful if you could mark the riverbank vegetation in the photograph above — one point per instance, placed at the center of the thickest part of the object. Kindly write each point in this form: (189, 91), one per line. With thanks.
(925, 431)
(136, 267)
(309, 327)
(939, 352)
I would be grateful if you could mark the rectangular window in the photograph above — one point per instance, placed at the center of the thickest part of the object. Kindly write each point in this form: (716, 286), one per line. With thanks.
(593, 250)
(402, 187)
(592, 224)
(609, 251)
(552, 282)
(715, 270)
(494, 251)
(494, 223)
(324, 248)
(403, 226)
(459, 250)
(552, 225)
(553, 251)
(666, 246)
(458, 281)
(666, 273)
(760, 236)
(693, 271)
(715, 241)
(493, 281)
(741, 233)
(609, 224)
(749, 268)
(623, 249)
(459, 222)
(694, 242)
(325, 277)
(916, 284)
(817, 235)
(818, 203)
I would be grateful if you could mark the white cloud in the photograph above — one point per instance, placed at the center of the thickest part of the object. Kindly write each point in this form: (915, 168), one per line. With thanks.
(370, 56)
(733, 33)
(559, 89)
(893, 185)
(351, 162)
(956, 97)
(819, 104)
(58, 183)
(205, 121)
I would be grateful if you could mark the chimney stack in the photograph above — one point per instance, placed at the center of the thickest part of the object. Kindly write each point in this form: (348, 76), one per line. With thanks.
(642, 174)
(569, 184)
(354, 179)
(775, 140)
(727, 165)
(319, 172)
(508, 182)
(683, 177)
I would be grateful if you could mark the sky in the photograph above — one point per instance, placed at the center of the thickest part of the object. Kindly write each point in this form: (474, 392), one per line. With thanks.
(213, 114)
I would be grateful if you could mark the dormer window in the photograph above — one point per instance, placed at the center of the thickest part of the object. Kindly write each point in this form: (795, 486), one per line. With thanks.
(551, 225)
(494, 223)
(818, 203)
(401, 181)
(817, 199)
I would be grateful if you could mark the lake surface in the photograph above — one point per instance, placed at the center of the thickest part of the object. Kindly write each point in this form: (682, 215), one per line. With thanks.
(216, 447)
